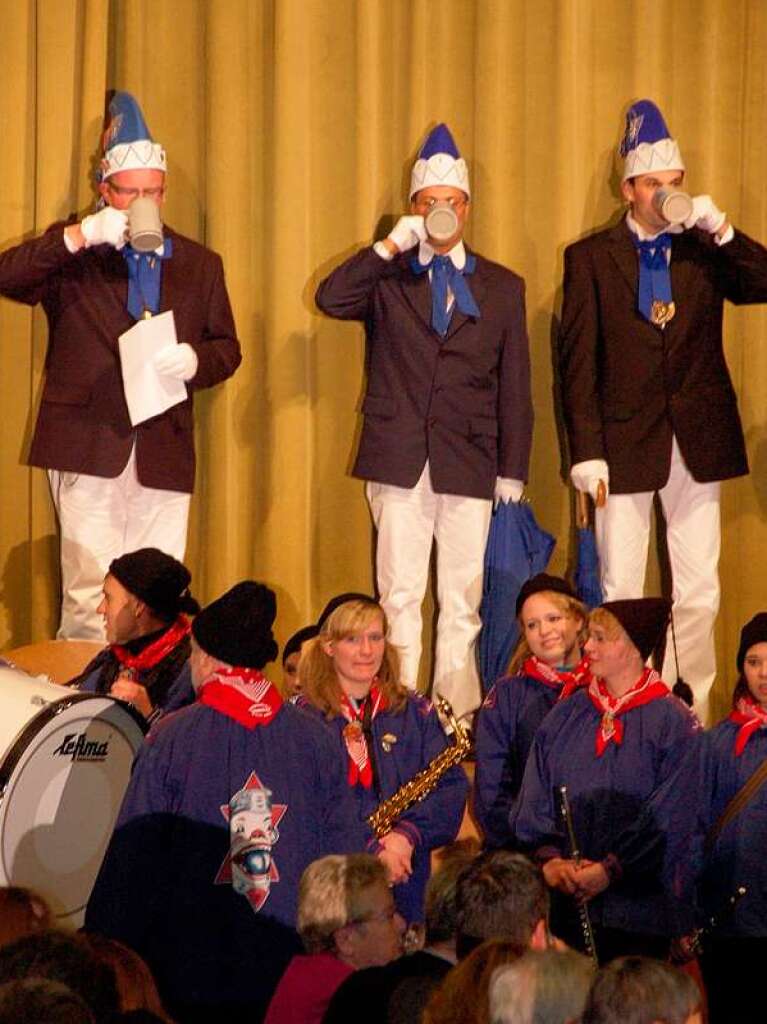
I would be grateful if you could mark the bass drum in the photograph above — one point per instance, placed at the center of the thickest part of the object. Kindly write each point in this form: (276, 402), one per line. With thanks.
(65, 761)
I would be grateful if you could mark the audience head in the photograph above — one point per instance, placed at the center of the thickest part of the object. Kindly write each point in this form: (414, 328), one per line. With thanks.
(502, 895)
(552, 622)
(22, 912)
(291, 655)
(144, 591)
(542, 987)
(345, 907)
(42, 1001)
(351, 651)
(136, 988)
(463, 996)
(639, 990)
(234, 630)
(441, 902)
(66, 959)
(752, 661)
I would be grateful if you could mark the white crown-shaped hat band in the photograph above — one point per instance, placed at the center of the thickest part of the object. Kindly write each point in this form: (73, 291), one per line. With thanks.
(440, 169)
(648, 157)
(134, 156)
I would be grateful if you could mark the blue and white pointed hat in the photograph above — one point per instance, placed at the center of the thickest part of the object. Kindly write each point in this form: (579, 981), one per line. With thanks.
(439, 163)
(647, 145)
(128, 146)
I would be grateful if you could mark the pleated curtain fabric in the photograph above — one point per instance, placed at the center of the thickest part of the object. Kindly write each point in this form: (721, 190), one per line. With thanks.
(290, 127)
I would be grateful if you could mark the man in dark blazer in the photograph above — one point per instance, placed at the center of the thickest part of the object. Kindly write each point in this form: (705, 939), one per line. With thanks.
(648, 401)
(447, 412)
(117, 487)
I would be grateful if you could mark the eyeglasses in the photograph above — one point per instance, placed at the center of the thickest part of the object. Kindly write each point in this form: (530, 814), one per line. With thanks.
(382, 915)
(429, 202)
(136, 193)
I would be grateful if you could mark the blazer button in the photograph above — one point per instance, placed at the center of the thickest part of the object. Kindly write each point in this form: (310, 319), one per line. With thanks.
(432, 422)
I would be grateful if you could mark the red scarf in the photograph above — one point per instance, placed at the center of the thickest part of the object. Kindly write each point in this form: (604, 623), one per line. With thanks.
(244, 694)
(160, 648)
(647, 688)
(360, 767)
(569, 680)
(750, 716)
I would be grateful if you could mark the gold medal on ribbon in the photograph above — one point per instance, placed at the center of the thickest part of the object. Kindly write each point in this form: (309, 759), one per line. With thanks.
(608, 725)
(662, 312)
(353, 732)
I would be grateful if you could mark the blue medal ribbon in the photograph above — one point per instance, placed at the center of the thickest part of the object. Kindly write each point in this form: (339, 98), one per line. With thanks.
(145, 278)
(654, 274)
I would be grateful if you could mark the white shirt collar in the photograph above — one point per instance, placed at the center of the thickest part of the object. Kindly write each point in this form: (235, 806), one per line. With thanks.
(457, 254)
(642, 235)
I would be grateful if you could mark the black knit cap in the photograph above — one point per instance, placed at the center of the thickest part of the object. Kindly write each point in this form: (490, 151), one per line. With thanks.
(754, 632)
(645, 620)
(293, 645)
(338, 600)
(537, 584)
(237, 627)
(157, 579)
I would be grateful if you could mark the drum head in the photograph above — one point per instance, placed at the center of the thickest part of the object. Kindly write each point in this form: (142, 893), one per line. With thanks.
(61, 785)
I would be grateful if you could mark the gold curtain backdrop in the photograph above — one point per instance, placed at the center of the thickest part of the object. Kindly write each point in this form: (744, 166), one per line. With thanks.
(290, 127)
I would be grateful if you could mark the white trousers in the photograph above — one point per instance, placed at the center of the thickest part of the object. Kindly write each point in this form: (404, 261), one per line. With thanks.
(101, 518)
(408, 520)
(693, 538)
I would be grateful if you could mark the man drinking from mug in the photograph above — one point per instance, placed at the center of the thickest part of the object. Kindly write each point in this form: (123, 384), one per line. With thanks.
(447, 415)
(647, 396)
(117, 486)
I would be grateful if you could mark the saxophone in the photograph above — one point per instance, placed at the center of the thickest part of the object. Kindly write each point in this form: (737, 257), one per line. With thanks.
(415, 789)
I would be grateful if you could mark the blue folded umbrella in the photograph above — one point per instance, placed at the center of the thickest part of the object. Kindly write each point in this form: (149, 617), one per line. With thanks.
(587, 576)
(517, 548)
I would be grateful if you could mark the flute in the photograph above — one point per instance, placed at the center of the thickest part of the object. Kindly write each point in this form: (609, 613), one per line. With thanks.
(575, 853)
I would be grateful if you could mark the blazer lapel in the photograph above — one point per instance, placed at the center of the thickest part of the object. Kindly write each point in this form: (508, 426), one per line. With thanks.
(475, 283)
(624, 254)
(417, 290)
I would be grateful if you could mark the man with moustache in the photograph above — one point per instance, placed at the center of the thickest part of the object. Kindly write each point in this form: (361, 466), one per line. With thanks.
(447, 414)
(117, 487)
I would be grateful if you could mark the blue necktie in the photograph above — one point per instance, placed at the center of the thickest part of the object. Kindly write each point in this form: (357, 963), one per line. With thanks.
(654, 274)
(145, 278)
(445, 275)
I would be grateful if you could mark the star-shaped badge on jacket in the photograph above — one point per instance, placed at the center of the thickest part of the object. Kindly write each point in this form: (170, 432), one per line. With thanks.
(253, 819)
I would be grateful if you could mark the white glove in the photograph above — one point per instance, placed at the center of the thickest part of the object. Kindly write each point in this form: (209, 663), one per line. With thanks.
(179, 361)
(507, 490)
(107, 227)
(407, 232)
(587, 475)
(705, 215)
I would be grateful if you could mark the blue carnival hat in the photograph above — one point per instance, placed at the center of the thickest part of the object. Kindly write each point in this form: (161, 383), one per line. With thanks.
(128, 146)
(647, 145)
(439, 163)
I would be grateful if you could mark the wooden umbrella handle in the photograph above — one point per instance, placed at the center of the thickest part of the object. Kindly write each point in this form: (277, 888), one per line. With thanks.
(582, 499)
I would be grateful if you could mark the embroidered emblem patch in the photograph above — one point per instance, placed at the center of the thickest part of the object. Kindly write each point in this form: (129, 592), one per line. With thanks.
(249, 867)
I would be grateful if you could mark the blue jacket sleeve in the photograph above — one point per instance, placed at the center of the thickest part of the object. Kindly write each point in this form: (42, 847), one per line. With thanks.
(436, 820)
(497, 776)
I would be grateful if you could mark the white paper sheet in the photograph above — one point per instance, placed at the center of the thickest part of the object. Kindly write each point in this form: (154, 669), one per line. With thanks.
(147, 392)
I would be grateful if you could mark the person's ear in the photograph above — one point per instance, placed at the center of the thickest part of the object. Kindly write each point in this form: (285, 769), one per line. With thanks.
(540, 937)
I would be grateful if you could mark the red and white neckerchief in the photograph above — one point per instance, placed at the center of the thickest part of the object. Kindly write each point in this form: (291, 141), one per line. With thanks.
(750, 716)
(360, 767)
(157, 650)
(647, 688)
(244, 694)
(569, 680)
